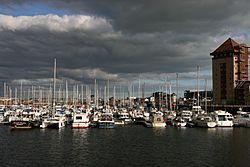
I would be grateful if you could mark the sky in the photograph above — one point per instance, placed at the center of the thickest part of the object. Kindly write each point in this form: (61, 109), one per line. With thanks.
(116, 40)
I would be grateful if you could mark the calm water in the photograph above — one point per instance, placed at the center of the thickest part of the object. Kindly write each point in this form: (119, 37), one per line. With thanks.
(125, 146)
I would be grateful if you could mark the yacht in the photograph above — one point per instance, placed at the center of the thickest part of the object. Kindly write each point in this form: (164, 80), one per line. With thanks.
(53, 122)
(124, 117)
(205, 121)
(1, 117)
(157, 119)
(20, 124)
(169, 117)
(197, 110)
(20, 119)
(57, 121)
(179, 122)
(106, 121)
(81, 120)
(242, 119)
(186, 115)
(94, 119)
(2, 108)
(223, 118)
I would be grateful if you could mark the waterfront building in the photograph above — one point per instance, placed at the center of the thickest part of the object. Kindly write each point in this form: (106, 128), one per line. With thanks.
(190, 97)
(159, 100)
(230, 73)
(192, 94)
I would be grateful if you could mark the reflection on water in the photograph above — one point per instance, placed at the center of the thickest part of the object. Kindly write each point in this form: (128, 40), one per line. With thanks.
(125, 146)
(159, 131)
(80, 133)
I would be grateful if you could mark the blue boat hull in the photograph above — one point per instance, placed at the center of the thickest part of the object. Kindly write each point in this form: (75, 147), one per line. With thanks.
(106, 125)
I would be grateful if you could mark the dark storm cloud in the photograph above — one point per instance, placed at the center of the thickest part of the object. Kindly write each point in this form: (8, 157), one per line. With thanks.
(115, 54)
(185, 16)
(121, 39)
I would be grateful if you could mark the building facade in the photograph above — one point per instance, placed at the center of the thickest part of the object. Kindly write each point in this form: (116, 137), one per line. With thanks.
(230, 69)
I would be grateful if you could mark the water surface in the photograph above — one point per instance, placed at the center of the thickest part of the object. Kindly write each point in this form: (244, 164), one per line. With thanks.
(125, 146)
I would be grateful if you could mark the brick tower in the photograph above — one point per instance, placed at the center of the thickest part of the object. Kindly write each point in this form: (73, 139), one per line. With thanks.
(230, 67)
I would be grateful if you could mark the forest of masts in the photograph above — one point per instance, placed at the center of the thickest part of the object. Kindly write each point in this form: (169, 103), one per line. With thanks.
(112, 93)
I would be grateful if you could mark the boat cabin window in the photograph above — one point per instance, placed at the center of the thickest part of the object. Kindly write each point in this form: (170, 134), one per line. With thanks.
(207, 119)
(221, 118)
(78, 117)
(246, 116)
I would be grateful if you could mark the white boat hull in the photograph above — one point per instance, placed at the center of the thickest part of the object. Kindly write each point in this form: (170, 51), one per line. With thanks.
(224, 123)
(159, 125)
(211, 124)
(180, 124)
(53, 123)
(206, 124)
(80, 125)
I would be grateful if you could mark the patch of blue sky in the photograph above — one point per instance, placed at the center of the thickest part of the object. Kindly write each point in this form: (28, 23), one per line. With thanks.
(31, 9)
(3, 10)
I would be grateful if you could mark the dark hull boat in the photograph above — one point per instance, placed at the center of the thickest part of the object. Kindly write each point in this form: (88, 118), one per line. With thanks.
(20, 124)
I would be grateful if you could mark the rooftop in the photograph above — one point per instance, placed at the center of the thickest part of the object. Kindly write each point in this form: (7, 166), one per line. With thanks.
(227, 46)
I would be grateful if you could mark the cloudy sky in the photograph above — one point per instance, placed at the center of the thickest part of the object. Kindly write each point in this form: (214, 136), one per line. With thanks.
(116, 39)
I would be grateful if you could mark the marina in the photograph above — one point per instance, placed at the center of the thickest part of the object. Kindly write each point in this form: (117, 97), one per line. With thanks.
(20, 117)
(124, 83)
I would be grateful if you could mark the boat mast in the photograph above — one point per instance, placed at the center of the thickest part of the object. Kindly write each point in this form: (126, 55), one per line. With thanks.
(86, 95)
(77, 94)
(170, 98)
(21, 93)
(95, 94)
(177, 89)
(139, 87)
(54, 87)
(10, 92)
(166, 91)
(114, 97)
(4, 89)
(16, 96)
(32, 94)
(123, 101)
(66, 93)
(198, 97)
(59, 94)
(49, 96)
(104, 98)
(129, 93)
(120, 95)
(82, 94)
(108, 93)
(143, 93)
(205, 95)
(159, 97)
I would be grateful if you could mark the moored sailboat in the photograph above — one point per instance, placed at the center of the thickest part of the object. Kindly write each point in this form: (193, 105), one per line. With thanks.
(57, 120)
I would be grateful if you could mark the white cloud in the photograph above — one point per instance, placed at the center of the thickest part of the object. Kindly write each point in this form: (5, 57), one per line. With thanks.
(55, 23)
